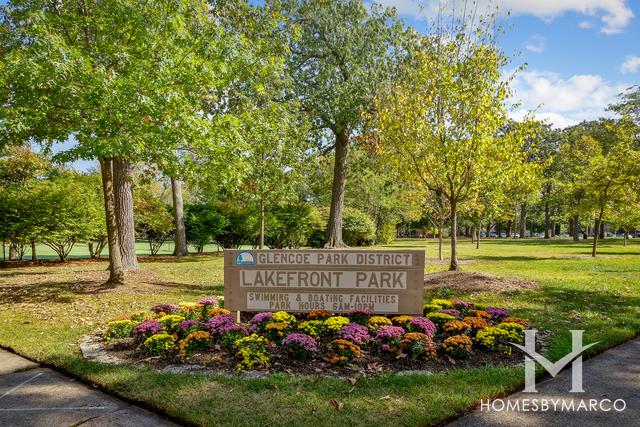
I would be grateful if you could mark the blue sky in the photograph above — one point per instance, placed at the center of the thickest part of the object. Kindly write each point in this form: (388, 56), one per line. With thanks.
(580, 53)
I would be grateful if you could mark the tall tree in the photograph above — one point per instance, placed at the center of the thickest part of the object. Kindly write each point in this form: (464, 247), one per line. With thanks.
(339, 57)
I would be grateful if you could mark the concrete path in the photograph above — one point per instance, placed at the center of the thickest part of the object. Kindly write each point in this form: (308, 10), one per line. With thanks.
(612, 375)
(34, 396)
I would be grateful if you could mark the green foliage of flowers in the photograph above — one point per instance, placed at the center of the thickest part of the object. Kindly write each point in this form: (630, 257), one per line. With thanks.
(443, 303)
(497, 338)
(158, 344)
(440, 319)
(335, 323)
(252, 352)
(418, 345)
(315, 328)
(283, 316)
(228, 339)
(429, 308)
(195, 342)
(119, 329)
(170, 322)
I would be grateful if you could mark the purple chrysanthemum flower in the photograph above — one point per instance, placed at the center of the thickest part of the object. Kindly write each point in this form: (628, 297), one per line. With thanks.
(146, 329)
(355, 333)
(450, 311)
(390, 332)
(304, 341)
(219, 324)
(497, 311)
(463, 304)
(359, 313)
(165, 308)
(186, 324)
(261, 317)
(424, 325)
(212, 300)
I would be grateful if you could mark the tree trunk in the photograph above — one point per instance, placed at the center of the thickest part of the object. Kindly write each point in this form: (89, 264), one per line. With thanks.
(576, 228)
(34, 254)
(478, 236)
(440, 231)
(116, 271)
(123, 196)
(180, 247)
(509, 225)
(261, 240)
(453, 265)
(334, 228)
(13, 252)
(488, 229)
(547, 221)
(601, 230)
(596, 234)
(523, 220)
(470, 232)
(553, 229)
(499, 229)
(625, 237)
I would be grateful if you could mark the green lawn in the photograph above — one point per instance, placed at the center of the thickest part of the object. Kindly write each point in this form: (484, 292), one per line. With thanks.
(44, 311)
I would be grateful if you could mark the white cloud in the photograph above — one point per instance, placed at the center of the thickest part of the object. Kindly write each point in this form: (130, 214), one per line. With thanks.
(614, 14)
(536, 44)
(631, 64)
(564, 102)
(585, 25)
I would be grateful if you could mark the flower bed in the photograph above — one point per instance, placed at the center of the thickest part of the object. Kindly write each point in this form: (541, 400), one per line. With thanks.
(449, 333)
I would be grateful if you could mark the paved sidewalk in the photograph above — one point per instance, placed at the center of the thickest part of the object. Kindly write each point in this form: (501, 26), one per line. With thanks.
(614, 374)
(34, 396)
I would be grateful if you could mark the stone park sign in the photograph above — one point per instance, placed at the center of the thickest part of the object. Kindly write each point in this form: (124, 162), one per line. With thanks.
(385, 282)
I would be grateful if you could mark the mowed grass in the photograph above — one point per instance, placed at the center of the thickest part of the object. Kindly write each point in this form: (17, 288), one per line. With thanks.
(45, 311)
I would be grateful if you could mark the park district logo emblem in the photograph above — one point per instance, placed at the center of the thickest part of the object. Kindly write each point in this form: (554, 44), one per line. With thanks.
(575, 358)
(245, 258)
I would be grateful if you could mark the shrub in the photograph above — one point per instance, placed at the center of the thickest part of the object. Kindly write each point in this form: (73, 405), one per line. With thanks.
(231, 334)
(289, 226)
(119, 329)
(521, 321)
(275, 330)
(389, 337)
(240, 227)
(252, 352)
(146, 329)
(430, 308)
(315, 328)
(422, 325)
(440, 318)
(342, 352)
(480, 313)
(418, 345)
(376, 322)
(357, 228)
(360, 317)
(300, 346)
(335, 323)
(402, 321)
(170, 322)
(194, 343)
(456, 327)
(283, 316)
(203, 223)
(457, 346)
(497, 339)
(187, 327)
(319, 314)
(497, 312)
(386, 233)
(476, 324)
(158, 344)
(443, 303)
(355, 333)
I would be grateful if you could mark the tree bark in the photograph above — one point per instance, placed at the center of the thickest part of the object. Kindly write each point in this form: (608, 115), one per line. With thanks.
(180, 247)
(13, 253)
(576, 228)
(453, 265)
(509, 225)
(478, 236)
(261, 240)
(116, 271)
(123, 196)
(596, 234)
(440, 238)
(334, 228)
(523, 220)
(34, 254)
(601, 230)
(625, 237)
(547, 221)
